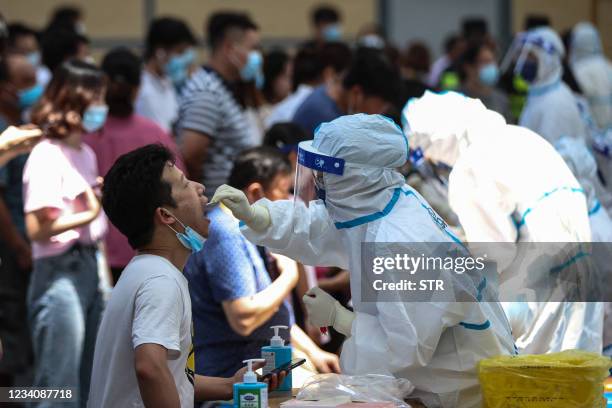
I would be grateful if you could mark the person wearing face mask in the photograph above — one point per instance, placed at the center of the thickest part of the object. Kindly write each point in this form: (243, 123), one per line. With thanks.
(168, 57)
(370, 85)
(123, 131)
(479, 74)
(24, 40)
(213, 124)
(551, 109)
(17, 82)
(144, 354)
(326, 25)
(64, 222)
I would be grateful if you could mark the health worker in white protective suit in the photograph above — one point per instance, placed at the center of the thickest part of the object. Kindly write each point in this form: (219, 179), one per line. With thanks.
(551, 109)
(363, 198)
(509, 185)
(581, 162)
(593, 72)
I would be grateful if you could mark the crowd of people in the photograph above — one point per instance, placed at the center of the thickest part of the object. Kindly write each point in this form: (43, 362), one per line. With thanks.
(120, 279)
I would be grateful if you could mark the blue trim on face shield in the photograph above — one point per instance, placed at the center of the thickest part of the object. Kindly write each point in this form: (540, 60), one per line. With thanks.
(473, 326)
(320, 162)
(521, 222)
(416, 156)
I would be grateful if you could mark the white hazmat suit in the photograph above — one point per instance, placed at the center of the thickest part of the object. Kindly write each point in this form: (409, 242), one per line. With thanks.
(551, 109)
(593, 72)
(436, 345)
(508, 185)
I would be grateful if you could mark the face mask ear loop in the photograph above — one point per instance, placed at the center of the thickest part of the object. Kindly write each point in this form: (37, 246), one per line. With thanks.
(179, 221)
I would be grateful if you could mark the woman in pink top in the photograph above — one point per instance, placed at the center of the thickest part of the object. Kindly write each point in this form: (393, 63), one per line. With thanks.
(65, 225)
(124, 131)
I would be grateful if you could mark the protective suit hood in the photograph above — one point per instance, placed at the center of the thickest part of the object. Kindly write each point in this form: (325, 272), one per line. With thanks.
(585, 42)
(548, 48)
(443, 125)
(373, 147)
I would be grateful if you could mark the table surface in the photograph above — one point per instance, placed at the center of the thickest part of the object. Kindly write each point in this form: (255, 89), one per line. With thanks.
(275, 399)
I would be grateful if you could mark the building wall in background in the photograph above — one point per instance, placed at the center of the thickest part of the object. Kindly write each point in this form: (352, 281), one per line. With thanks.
(286, 22)
(564, 14)
(433, 21)
(123, 22)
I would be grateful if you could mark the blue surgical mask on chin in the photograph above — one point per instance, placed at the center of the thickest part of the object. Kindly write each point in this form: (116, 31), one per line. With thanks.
(30, 96)
(94, 117)
(252, 70)
(190, 239)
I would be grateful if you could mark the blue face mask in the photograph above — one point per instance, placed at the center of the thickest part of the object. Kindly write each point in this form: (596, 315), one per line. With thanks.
(489, 74)
(34, 58)
(177, 67)
(332, 33)
(529, 70)
(190, 239)
(252, 70)
(94, 117)
(30, 96)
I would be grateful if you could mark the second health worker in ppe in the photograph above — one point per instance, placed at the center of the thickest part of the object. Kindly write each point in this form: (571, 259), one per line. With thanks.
(434, 344)
(508, 185)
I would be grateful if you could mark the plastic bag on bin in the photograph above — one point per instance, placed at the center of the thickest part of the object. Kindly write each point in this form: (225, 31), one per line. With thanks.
(360, 388)
(568, 379)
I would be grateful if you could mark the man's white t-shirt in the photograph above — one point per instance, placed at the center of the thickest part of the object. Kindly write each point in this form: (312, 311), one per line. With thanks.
(157, 100)
(149, 304)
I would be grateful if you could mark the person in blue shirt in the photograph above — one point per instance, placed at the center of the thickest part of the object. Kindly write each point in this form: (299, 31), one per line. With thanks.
(239, 290)
(370, 85)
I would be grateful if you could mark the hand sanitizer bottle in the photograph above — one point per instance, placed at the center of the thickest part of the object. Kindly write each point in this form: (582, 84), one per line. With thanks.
(276, 355)
(250, 393)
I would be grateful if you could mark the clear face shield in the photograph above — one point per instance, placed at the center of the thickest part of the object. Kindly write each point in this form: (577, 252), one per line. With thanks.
(522, 54)
(312, 169)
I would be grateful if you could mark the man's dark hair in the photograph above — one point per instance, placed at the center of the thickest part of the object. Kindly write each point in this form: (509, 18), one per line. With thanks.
(336, 55)
(258, 165)
(17, 30)
(219, 24)
(167, 32)
(65, 17)
(59, 45)
(450, 42)
(285, 136)
(474, 29)
(133, 189)
(373, 72)
(122, 67)
(325, 15)
(307, 67)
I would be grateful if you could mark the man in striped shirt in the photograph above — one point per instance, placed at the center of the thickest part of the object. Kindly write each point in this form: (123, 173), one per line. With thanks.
(213, 126)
